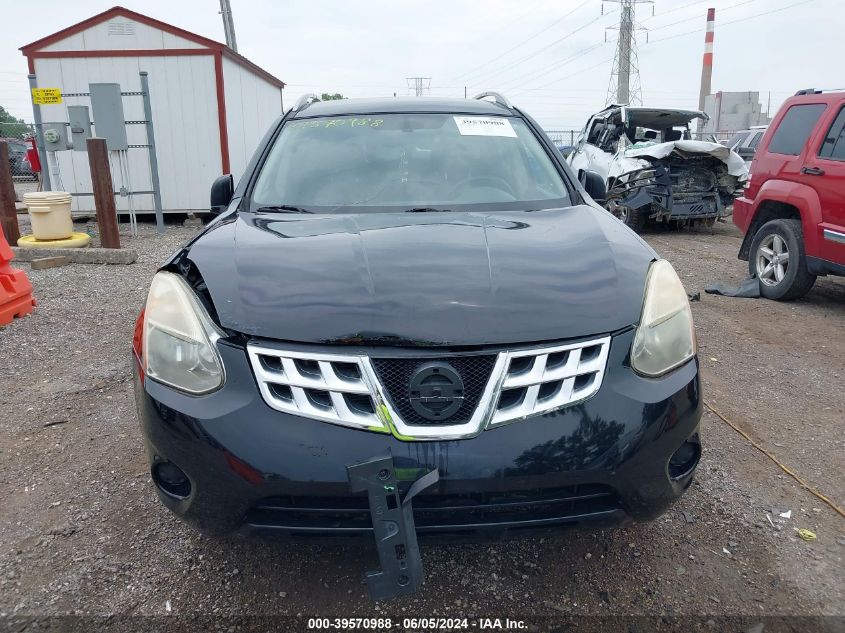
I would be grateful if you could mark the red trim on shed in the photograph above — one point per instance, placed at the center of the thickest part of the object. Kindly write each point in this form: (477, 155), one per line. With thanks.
(113, 13)
(243, 61)
(137, 52)
(221, 112)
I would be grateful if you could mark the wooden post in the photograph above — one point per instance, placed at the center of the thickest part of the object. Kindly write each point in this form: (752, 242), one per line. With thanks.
(8, 211)
(98, 160)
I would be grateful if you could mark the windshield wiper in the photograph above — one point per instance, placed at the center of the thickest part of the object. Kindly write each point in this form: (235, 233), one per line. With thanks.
(282, 208)
(426, 210)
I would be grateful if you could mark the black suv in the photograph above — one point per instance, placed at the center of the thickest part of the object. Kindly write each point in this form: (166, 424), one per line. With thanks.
(414, 286)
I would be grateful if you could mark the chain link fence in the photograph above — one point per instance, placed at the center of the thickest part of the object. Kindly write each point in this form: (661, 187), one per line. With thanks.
(16, 136)
(563, 137)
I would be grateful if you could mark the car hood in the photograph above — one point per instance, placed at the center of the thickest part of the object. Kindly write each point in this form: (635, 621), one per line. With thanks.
(684, 148)
(426, 278)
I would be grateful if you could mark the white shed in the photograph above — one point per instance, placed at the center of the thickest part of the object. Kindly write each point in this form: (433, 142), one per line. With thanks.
(210, 105)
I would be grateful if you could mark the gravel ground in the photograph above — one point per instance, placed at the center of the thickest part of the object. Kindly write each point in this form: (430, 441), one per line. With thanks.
(81, 531)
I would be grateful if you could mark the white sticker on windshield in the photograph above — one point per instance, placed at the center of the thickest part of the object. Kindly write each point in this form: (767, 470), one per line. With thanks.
(484, 126)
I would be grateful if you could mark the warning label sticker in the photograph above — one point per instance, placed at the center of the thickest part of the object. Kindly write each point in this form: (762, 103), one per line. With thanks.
(484, 126)
(46, 96)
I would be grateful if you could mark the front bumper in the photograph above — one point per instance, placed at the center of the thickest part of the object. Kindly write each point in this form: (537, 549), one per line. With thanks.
(742, 213)
(605, 460)
(660, 202)
(662, 197)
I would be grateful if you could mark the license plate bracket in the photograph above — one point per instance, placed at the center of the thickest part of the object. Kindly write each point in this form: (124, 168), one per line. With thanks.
(401, 572)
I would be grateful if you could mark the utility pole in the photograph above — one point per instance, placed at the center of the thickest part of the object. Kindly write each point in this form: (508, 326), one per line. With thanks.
(98, 160)
(228, 24)
(419, 84)
(624, 87)
(8, 213)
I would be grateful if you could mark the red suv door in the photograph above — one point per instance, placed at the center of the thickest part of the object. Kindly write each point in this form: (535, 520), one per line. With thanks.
(824, 170)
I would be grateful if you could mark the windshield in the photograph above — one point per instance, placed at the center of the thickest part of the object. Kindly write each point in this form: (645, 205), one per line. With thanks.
(395, 162)
(736, 139)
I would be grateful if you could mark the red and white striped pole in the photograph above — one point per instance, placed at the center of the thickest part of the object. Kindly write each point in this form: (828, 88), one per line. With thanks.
(707, 62)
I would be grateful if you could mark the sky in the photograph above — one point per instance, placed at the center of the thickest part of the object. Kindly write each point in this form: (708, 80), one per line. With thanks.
(548, 57)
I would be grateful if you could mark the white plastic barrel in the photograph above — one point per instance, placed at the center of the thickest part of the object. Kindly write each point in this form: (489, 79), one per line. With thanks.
(49, 213)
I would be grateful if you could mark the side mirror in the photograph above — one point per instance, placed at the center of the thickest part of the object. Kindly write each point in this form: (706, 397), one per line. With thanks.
(594, 185)
(222, 191)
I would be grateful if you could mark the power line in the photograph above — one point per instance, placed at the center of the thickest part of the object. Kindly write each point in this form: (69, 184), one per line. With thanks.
(577, 72)
(558, 64)
(541, 50)
(526, 40)
(698, 17)
(683, 6)
(723, 24)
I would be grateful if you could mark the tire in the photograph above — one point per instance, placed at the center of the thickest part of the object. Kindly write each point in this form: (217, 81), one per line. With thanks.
(785, 279)
(634, 219)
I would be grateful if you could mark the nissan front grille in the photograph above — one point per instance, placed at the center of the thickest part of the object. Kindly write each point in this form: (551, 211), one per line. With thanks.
(428, 397)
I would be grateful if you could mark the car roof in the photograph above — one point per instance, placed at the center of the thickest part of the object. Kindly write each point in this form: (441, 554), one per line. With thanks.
(403, 104)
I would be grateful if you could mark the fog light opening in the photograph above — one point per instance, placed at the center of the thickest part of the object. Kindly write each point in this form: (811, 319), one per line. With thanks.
(685, 459)
(171, 480)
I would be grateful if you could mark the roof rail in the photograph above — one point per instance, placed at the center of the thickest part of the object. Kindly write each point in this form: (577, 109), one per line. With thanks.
(304, 101)
(497, 97)
(817, 91)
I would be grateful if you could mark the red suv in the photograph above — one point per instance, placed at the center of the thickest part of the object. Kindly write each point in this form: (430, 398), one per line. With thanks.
(793, 209)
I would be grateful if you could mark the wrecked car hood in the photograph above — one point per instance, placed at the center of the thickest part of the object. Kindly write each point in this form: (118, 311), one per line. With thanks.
(736, 165)
(458, 278)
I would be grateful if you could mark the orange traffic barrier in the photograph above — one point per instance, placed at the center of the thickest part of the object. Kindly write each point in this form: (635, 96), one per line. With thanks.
(15, 290)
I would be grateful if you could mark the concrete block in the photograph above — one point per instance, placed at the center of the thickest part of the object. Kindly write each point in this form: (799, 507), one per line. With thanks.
(79, 255)
(50, 262)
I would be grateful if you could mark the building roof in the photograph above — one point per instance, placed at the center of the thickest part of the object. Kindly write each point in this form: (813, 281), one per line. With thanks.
(402, 104)
(31, 50)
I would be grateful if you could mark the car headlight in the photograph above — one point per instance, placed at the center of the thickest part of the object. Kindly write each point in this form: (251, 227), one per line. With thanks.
(665, 337)
(179, 338)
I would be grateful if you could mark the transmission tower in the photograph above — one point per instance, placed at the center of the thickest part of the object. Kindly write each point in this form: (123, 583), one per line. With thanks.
(624, 86)
(420, 85)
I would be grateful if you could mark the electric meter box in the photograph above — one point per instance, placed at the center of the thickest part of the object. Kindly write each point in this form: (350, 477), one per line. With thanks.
(55, 137)
(80, 126)
(109, 121)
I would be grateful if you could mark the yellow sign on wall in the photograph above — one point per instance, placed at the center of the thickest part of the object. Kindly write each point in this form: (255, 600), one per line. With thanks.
(46, 96)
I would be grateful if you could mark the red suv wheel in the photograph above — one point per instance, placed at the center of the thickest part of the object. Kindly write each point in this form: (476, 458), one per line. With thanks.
(778, 260)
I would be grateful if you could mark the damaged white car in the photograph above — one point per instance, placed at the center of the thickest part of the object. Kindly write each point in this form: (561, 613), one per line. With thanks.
(654, 170)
